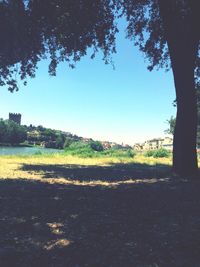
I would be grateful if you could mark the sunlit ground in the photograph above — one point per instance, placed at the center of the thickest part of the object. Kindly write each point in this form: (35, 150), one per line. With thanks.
(60, 169)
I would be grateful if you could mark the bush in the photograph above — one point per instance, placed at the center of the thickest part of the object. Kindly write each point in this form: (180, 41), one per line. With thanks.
(60, 141)
(149, 153)
(80, 149)
(96, 145)
(68, 142)
(131, 153)
(119, 153)
(93, 149)
(159, 153)
(78, 145)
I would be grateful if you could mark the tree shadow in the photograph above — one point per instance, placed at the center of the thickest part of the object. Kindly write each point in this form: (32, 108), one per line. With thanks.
(111, 173)
(142, 224)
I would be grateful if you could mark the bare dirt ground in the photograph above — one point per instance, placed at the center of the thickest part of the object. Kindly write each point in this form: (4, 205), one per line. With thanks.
(126, 215)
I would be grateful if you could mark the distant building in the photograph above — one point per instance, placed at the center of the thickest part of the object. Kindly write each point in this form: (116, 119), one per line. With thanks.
(138, 147)
(16, 117)
(153, 144)
(106, 144)
(33, 135)
(86, 140)
(168, 143)
(127, 146)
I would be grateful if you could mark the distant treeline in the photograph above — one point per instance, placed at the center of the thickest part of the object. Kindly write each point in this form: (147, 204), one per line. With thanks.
(11, 132)
(14, 134)
(39, 135)
(95, 149)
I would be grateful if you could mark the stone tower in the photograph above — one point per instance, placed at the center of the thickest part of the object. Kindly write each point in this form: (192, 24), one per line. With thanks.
(16, 117)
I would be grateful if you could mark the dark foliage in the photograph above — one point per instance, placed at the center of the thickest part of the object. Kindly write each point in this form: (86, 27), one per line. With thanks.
(11, 132)
(172, 121)
(64, 30)
(96, 145)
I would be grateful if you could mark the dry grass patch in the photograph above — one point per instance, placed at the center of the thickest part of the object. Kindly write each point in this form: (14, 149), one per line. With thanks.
(12, 167)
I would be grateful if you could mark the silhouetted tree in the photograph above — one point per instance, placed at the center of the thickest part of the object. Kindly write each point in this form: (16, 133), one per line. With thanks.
(14, 133)
(96, 145)
(172, 123)
(168, 32)
(62, 30)
(60, 140)
(2, 130)
(172, 120)
(49, 134)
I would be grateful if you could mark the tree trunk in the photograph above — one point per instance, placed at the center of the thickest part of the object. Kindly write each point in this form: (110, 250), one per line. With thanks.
(182, 39)
(184, 149)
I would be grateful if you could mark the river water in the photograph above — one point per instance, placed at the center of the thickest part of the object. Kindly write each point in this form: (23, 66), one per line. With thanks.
(27, 150)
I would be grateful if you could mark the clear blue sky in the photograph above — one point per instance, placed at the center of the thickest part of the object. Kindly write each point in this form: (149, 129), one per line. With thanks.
(128, 104)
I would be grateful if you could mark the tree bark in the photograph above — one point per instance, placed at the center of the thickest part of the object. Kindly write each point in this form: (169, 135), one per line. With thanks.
(182, 42)
(184, 148)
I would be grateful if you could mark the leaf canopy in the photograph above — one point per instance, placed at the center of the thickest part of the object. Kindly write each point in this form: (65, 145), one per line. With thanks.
(63, 30)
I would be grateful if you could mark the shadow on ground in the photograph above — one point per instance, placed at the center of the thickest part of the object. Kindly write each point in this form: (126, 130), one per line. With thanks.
(111, 173)
(138, 225)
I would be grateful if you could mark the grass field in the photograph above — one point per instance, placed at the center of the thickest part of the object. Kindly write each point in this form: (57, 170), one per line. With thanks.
(61, 168)
(66, 211)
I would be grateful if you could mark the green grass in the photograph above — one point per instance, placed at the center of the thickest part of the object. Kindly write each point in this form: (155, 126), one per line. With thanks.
(81, 155)
(11, 165)
(159, 153)
(118, 153)
(86, 150)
